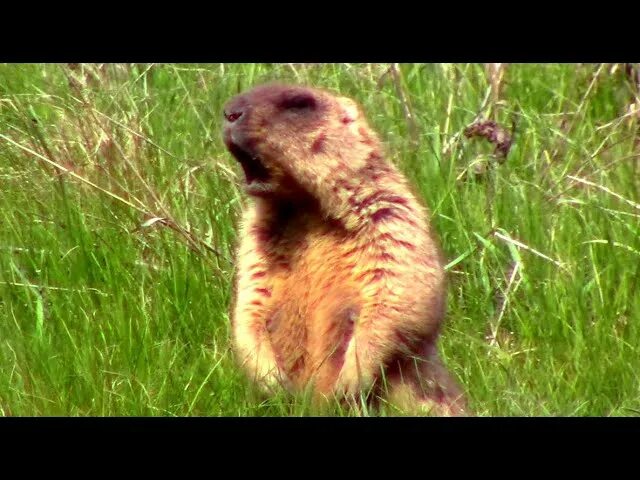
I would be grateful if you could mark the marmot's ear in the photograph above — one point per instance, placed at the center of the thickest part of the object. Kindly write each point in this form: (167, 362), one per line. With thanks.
(349, 110)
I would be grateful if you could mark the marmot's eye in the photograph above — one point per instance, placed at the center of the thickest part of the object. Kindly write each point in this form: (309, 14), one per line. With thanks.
(298, 102)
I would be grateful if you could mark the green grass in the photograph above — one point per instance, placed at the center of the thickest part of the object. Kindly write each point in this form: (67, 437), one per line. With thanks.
(105, 312)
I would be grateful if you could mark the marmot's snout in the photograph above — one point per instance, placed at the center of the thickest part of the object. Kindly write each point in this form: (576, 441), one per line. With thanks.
(234, 109)
(233, 114)
(237, 113)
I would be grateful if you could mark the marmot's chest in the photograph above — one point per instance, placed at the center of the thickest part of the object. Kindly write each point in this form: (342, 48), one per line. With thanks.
(312, 285)
(300, 246)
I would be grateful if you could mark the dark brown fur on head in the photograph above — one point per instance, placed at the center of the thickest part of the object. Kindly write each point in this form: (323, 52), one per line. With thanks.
(272, 128)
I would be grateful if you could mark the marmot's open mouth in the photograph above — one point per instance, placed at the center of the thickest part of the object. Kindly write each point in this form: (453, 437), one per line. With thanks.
(256, 174)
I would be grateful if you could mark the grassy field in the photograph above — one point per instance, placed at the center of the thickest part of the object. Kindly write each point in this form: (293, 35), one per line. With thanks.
(118, 203)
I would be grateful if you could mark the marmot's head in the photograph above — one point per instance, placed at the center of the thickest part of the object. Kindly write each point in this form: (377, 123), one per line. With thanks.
(289, 137)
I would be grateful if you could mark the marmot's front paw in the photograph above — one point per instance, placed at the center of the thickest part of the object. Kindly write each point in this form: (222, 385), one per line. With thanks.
(357, 373)
(275, 382)
(264, 370)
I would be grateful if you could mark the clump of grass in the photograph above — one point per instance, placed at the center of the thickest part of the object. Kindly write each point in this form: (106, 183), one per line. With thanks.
(119, 206)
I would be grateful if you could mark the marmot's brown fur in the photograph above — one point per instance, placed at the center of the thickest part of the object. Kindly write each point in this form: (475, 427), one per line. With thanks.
(340, 284)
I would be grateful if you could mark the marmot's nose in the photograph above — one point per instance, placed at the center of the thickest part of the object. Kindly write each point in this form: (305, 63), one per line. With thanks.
(233, 114)
(234, 110)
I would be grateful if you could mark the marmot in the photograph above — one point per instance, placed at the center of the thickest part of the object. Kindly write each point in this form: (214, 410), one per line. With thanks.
(340, 284)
